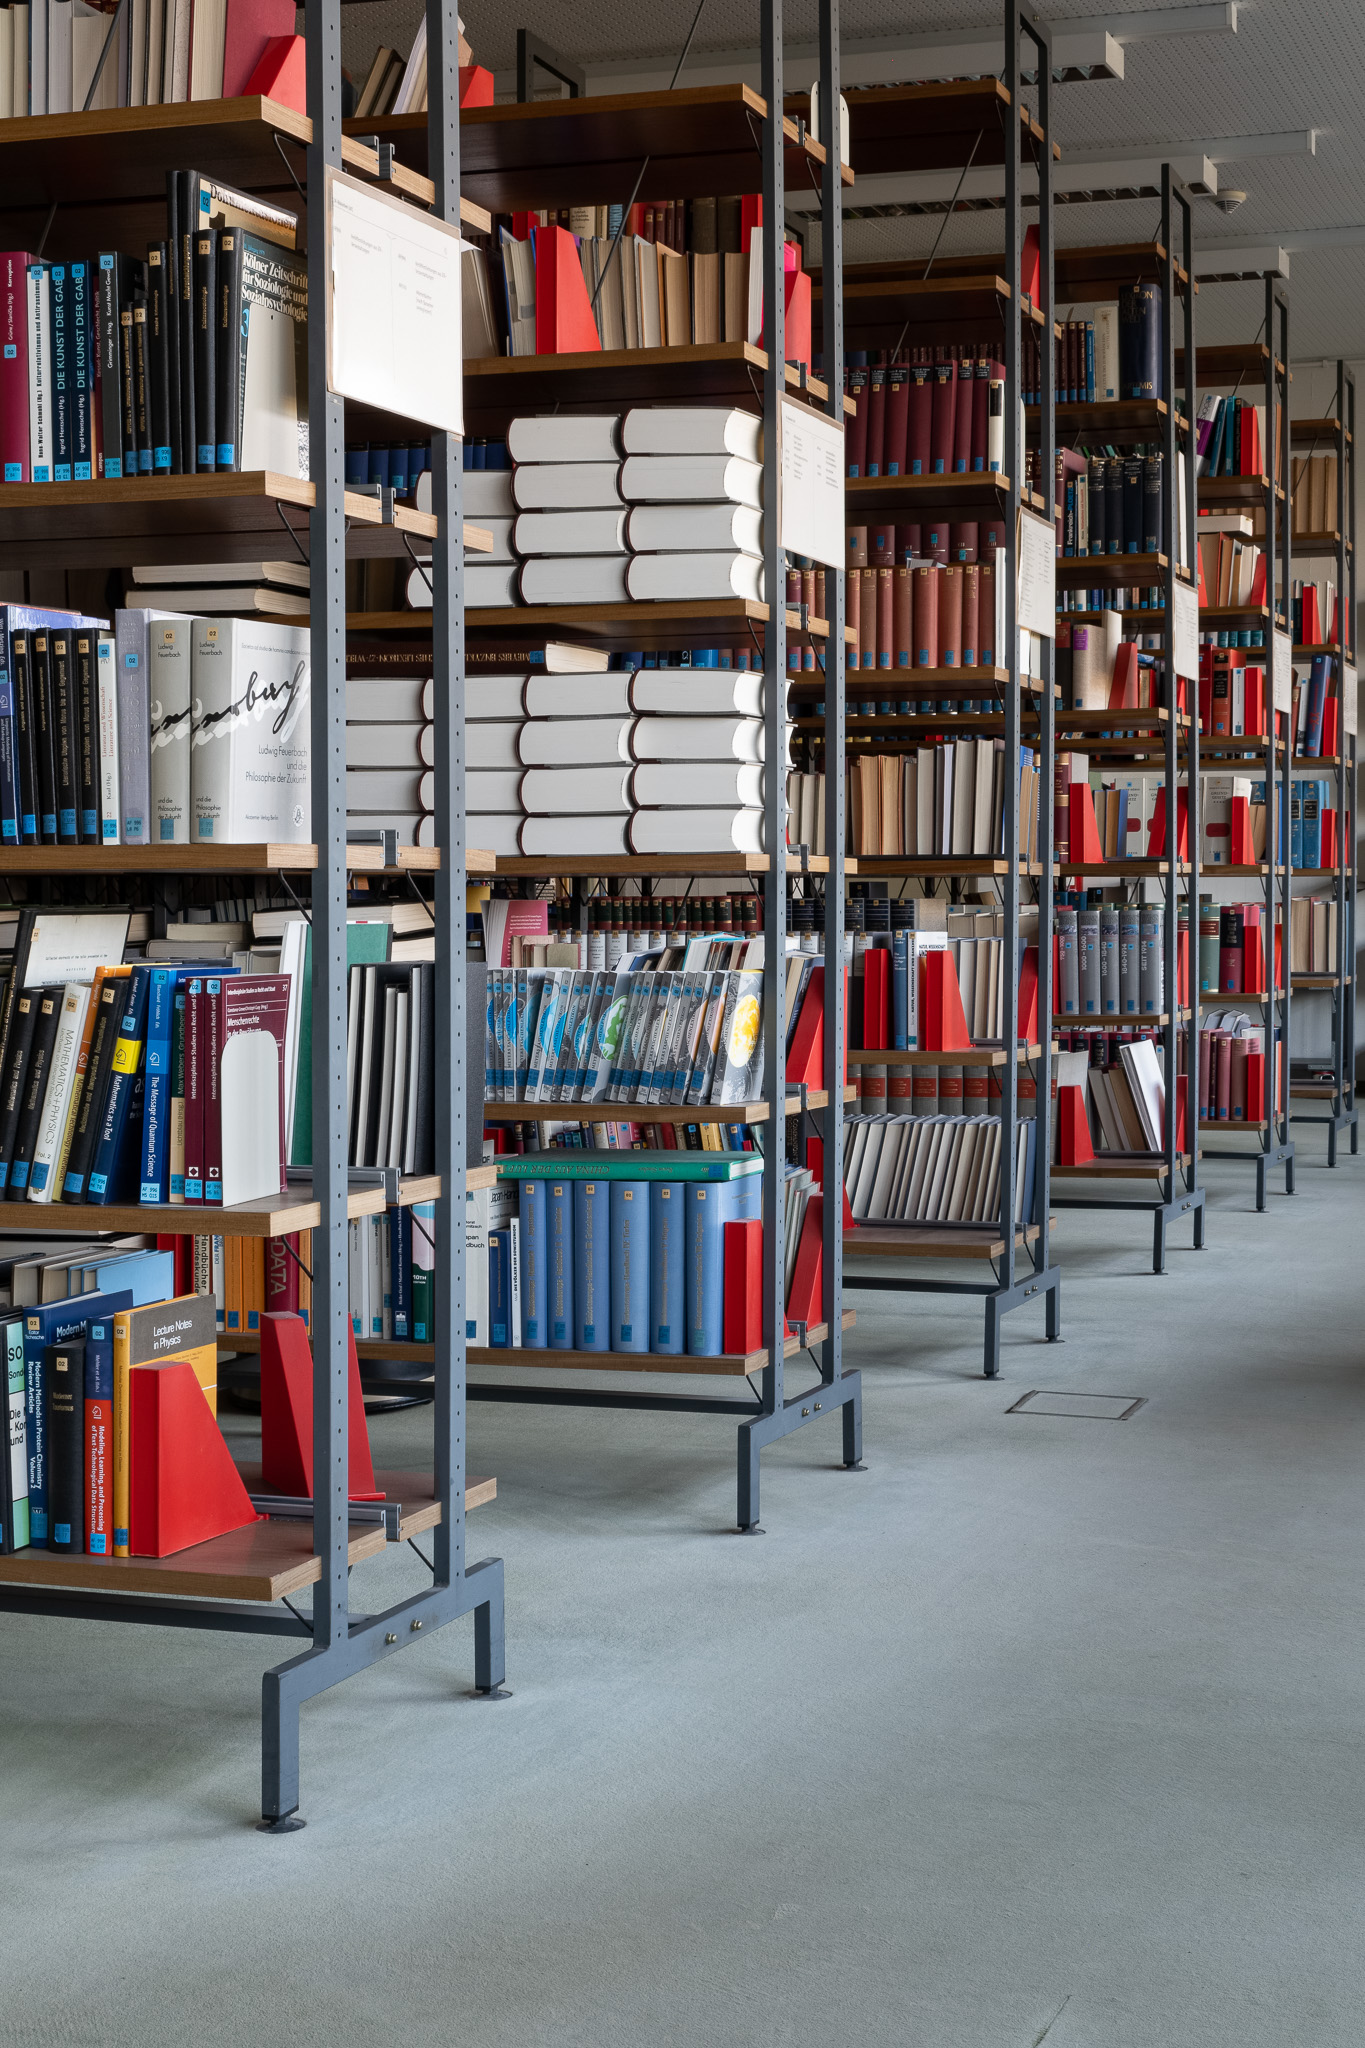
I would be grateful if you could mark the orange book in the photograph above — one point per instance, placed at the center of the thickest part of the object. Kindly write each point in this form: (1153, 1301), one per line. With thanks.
(885, 618)
(925, 614)
(950, 617)
(901, 617)
(971, 614)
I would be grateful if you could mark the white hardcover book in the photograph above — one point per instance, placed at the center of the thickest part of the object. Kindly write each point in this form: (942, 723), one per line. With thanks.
(595, 792)
(40, 443)
(106, 670)
(250, 754)
(485, 583)
(694, 577)
(37, 57)
(131, 631)
(690, 479)
(692, 430)
(169, 651)
(61, 1080)
(565, 437)
(6, 62)
(413, 746)
(514, 1263)
(586, 742)
(566, 699)
(381, 700)
(1107, 351)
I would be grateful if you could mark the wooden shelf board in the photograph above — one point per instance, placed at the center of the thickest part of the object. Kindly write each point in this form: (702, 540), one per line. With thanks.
(860, 684)
(1306, 651)
(1216, 614)
(969, 1056)
(693, 622)
(1120, 1166)
(1094, 572)
(254, 858)
(1234, 490)
(728, 1365)
(715, 369)
(1114, 419)
(657, 864)
(876, 309)
(1225, 1124)
(1319, 980)
(959, 864)
(648, 1112)
(1325, 543)
(929, 1241)
(1303, 433)
(295, 1210)
(1227, 363)
(700, 141)
(1125, 870)
(927, 127)
(414, 1491)
(1156, 719)
(960, 487)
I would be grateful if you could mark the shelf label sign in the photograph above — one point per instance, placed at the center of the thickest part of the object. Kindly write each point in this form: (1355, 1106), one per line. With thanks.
(811, 516)
(1037, 581)
(1349, 687)
(1185, 631)
(1282, 671)
(393, 324)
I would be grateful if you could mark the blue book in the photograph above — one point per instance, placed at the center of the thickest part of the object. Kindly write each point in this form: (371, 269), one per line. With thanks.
(1312, 796)
(60, 366)
(101, 1186)
(559, 1311)
(148, 1276)
(52, 1324)
(534, 1265)
(900, 991)
(591, 1264)
(1318, 677)
(499, 1289)
(154, 1179)
(1296, 824)
(710, 1206)
(99, 1386)
(667, 1267)
(400, 1272)
(630, 1265)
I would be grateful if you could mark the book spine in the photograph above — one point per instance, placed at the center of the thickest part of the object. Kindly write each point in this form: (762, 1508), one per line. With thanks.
(99, 1439)
(110, 368)
(102, 1041)
(534, 1265)
(400, 1273)
(35, 1428)
(423, 1272)
(43, 1181)
(173, 322)
(106, 689)
(39, 375)
(559, 1231)
(15, 466)
(667, 1268)
(211, 1053)
(64, 1372)
(10, 824)
(85, 714)
(123, 1350)
(65, 741)
(142, 411)
(128, 385)
(82, 367)
(228, 344)
(205, 355)
(153, 1185)
(48, 1002)
(124, 1070)
(630, 1265)
(15, 1533)
(61, 374)
(134, 717)
(158, 361)
(499, 1289)
(591, 1265)
(44, 746)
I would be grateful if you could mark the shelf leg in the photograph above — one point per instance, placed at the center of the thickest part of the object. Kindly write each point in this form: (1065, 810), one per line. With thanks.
(1052, 1309)
(490, 1658)
(992, 1364)
(279, 1754)
(1159, 1241)
(1289, 1175)
(1260, 1183)
(746, 1514)
(1332, 1141)
(853, 1429)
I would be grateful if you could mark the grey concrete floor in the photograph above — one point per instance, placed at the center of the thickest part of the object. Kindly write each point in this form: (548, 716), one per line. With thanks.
(1037, 1727)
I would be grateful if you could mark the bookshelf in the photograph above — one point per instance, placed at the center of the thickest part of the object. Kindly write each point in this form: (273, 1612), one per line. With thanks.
(1334, 1084)
(701, 143)
(235, 1582)
(941, 126)
(1267, 756)
(1165, 738)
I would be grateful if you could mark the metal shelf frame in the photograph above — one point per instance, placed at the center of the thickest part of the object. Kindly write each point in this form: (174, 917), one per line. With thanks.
(337, 1643)
(1178, 1171)
(1343, 1114)
(773, 1413)
(1017, 1281)
(1274, 1147)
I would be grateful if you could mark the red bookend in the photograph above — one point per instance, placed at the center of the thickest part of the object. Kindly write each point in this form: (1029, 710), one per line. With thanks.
(806, 1059)
(1255, 1086)
(1182, 1116)
(1156, 836)
(1073, 1128)
(797, 343)
(183, 1487)
(1028, 996)
(1031, 266)
(564, 322)
(250, 28)
(1123, 686)
(943, 1027)
(1329, 838)
(1084, 837)
(279, 75)
(1330, 713)
(287, 1413)
(476, 86)
(876, 999)
(743, 1288)
(806, 1296)
(1240, 854)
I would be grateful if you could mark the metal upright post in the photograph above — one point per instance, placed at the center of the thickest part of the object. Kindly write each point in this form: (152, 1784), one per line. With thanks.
(1047, 732)
(1187, 486)
(1346, 786)
(752, 1436)
(1171, 920)
(1014, 464)
(1279, 553)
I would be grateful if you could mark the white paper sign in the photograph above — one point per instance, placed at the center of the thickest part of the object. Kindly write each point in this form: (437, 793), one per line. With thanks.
(1185, 632)
(811, 519)
(1349, 688)
(394, 321)
(1282, 671)
(1037, 575)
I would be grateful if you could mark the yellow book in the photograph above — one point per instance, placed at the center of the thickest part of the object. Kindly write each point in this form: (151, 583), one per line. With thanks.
(184, 1328)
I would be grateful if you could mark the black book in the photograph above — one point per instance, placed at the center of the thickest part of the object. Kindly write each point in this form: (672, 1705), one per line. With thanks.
(158, 360)
(61, 644)
(44, 734)
(128, 387)
(49, 1005)
(1153, 501)
(185, 225)
(64, 1392)
(205, 361)
(25, 719)
(85, 696)
(173, 314)
(1113, 505)
(90, 1109)
(111, 364)
(228, 403)
(1097, 502)
(142, 418)
(16, 1073)
(1132, 471)
(18, 969)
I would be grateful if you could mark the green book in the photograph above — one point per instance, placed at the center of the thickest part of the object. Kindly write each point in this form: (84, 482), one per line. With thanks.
(366, 940)
(630, 1166)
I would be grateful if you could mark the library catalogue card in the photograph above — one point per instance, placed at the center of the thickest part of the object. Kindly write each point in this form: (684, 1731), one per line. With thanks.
(394, 319)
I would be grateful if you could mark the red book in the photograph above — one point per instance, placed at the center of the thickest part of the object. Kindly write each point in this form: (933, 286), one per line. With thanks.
(853, 613)
(99, 1475)
(902, 620)
(981, 410)
(987, 652)
(564, 321)
(943, 423)
(743, 1324)
(885, 617)
(937, 540)
(804, 1299)
(1330, 714)
(876, 419)
(183, 1487)
(870, 620)
(855, 430)
(1328, 820)
(881, 547)
(963, 540)
(806, 1051)
(876, 999)
(1255, 701)
(950, 616)
(244, 1147)
(964, 408)
(196, 1038)
(1222, 1075)
(1312, 624)
(943, 1027)
(925, 617)
(797, 338)
(1253, 950)
(1255, 1084)
(919, 419)
(856, 536)
(281, 1275)
(909, 539)
(15, 466)
(895, 446)
(1123, 689)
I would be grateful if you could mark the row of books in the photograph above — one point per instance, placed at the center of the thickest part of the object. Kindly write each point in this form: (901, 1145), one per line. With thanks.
(1232, 568)
(1109, 960)
(926, 615)
(935, 1169)
(1313, 935)
(1313, 504)
(1110, 504)
(947, 1090)
(162, 53)
(1232, 1070)
(550, 1135)
(927, 412)
(635, 1254)
(615, 928)
(162, 729)
(1230, 437)
(395, 84)
(1232, 948)
(1315, 611)
(934, 537)
(1114, 352)
(1122, 1080)
(391, 1275)
(896, 1007)
(1097, 669)
(944, 800)
(190, 358)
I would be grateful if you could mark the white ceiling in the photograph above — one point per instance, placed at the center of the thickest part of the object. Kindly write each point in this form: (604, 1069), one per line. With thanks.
(1286, 67)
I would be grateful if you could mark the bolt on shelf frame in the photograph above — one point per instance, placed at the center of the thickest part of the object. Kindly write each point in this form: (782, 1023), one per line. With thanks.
(1343, 1115)
(1175, 1200)
(1016, 1284)
(1274, 1147)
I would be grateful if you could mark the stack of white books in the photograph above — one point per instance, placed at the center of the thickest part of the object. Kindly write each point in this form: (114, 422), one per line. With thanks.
(569, 534)
(693, 479)
(390, 754)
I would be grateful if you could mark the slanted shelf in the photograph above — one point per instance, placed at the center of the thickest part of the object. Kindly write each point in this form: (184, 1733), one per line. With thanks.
(958, 493)
(49, 167)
